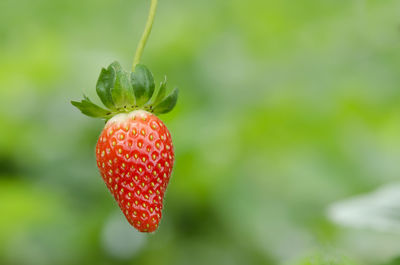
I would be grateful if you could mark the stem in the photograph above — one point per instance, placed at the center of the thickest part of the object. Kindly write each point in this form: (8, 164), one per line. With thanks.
(146, 33)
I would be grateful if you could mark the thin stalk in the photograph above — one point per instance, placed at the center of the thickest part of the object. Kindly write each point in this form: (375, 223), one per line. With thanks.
(146, 33)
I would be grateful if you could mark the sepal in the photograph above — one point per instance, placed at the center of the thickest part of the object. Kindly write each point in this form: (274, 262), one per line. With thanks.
(160, 93)
(142, 81)
(87, 107)
(104, 84)
(168, 103)
(123, 92)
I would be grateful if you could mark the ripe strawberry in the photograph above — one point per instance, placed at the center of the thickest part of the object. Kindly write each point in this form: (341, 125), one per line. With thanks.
(135, 158)
(134, 152)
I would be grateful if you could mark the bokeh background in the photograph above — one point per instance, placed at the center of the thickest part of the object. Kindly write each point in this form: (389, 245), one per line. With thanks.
(288, 110)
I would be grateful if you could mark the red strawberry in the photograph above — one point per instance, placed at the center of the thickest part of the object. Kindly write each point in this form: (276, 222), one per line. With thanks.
(135, 157)
(134, 153)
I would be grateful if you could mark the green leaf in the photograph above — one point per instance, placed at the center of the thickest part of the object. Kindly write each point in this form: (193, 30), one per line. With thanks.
(90, 109)
(121, 91)
(168, 103)
(104, 84)
(160, 93)
(143, 84)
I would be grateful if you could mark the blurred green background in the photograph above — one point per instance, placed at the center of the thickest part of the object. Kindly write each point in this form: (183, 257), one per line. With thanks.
(285, 108)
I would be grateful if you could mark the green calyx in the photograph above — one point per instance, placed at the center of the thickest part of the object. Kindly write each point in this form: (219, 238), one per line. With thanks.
(122, 92)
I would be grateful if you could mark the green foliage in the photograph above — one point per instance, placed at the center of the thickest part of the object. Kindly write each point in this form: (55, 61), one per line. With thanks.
(160, 94)
(121, 91)
(143, 84)
(105, 82)
(90, 109)
(168, 103)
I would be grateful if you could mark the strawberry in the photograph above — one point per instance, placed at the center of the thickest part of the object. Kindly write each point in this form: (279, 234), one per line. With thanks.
(135, 157)
(134, 152)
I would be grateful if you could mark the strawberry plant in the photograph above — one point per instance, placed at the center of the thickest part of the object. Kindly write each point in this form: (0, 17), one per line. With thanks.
(134, 152)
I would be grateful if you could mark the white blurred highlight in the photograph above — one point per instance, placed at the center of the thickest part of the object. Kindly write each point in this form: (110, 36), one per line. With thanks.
(379, 210)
